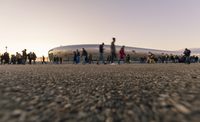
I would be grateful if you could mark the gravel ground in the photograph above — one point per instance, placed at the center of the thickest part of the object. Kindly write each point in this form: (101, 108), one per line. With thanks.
(96, 93)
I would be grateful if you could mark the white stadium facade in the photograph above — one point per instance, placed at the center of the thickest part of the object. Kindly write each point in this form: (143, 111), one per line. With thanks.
(66, 52)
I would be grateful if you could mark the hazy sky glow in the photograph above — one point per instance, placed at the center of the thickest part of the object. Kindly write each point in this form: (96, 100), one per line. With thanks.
(40, 25)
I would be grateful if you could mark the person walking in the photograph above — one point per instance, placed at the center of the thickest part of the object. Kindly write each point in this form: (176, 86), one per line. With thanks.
(30, 57)
(77, 57)
(113, 51)
(24, 56)
(61, 60)
(101, 53)
(34, 58)
(19, 58)
(13, 59)
(151, 58)
(6, 58)
(187, 53)
(84, 56)
(43, 60)
(74, 58)
(122, 55)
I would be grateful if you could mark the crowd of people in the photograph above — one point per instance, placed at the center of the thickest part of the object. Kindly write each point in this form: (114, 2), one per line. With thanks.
(165, 58)
(86, 58)
(121, 57)
(19, 58)
(57, 60)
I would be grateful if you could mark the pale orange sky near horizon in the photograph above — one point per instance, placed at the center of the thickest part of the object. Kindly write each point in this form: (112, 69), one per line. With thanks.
(39, 25)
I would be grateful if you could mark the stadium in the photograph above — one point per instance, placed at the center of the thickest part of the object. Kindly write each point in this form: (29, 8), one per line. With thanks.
(66, 52)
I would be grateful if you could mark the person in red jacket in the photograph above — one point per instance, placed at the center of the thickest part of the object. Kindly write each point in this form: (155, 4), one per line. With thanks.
(122, 54)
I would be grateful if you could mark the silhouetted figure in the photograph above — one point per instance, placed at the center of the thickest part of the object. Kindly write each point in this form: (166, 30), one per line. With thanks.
(187, 53)
(143, 59)
(18, 58)
(101, 53)
(166, 58)
(57, 60)
(61, 60)
(13, 59)
(176, 59)
(172, 58)
(74, 57)
(2, 59)
(182, 59)
(108, 59)
(196, 59)
(122, 55)
(6, 58)
(128, 58)
(151, 58)
(84, 56)
(163, 58)
(30, 56)
(113, 50)
(77, 57)
(24, 56)
(43, 60)
(54, 60)
(34, 57)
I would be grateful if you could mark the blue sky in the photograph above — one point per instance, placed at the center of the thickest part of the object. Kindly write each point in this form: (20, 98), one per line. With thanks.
(40, 25)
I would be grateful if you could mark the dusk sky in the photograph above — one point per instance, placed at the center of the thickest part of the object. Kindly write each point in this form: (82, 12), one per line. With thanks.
(39, 25)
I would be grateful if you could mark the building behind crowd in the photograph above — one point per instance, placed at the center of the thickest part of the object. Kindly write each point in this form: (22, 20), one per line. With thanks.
(66, 52)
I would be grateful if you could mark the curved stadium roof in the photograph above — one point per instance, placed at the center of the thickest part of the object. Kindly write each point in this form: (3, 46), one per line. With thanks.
(95, 47)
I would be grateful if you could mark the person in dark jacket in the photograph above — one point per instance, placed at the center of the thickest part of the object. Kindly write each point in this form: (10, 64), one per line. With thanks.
(6, 58)
(13, 59)
(113, 50)
(187, 53)
(61, 60)
(43, 60)
(84, 56)
(101, 53)
(34, 57)
(74, 58)
(30, 56)
(77, 57)
(24, 56)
